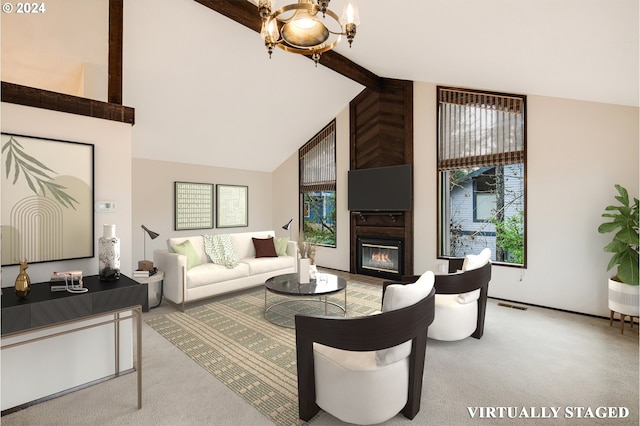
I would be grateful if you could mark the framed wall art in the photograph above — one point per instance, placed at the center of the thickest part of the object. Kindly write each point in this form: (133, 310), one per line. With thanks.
(47, 199)
(193, 205)
(232, 203)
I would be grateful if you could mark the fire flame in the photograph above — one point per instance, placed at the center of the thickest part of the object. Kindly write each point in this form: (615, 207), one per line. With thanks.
(380, 257)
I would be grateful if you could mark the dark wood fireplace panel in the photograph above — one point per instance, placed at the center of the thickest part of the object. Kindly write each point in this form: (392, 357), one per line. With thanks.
(381, 127)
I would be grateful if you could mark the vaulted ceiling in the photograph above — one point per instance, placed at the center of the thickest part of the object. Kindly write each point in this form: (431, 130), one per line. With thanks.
(205, 91)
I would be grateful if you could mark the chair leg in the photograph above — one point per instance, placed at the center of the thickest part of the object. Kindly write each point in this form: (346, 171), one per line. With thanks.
(611, 319)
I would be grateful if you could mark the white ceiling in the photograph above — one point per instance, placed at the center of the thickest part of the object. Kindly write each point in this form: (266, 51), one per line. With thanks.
(205, 91)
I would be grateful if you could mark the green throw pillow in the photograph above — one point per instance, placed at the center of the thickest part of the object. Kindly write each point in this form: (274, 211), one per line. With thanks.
(185, 248)
(281, 245)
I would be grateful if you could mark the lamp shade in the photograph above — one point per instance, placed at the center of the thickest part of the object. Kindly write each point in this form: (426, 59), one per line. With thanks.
(287, 225)
(152, 235)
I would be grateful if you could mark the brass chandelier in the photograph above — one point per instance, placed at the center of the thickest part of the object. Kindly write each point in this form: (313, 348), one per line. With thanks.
(308, 27)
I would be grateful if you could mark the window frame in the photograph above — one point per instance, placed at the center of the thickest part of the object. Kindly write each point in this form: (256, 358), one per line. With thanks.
(325, 185)
(443, 229)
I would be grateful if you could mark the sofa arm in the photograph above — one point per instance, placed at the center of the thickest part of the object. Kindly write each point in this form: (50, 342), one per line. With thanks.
(174, 266)
(292, 250)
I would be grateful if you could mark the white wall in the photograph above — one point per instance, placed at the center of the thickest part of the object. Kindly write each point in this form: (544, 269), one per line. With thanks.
(112, 180)
(112, 151)
(576, 151)
(153, 204)
(286, 199)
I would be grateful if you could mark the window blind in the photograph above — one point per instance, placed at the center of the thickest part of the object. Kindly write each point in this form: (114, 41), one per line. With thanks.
(478, 129)
(318, 161)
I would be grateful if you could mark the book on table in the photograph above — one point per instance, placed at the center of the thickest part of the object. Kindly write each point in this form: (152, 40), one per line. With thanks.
(59, 280)
(144, 274)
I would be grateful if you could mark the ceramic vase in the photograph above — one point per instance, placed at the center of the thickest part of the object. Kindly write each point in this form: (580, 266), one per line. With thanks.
(109, 254)
(313, 272)
(23, 282)
(303, 270)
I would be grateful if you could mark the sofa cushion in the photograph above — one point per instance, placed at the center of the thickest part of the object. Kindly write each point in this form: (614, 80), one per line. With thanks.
(261, 265)
(453, 320)
(281, 244)
(264, 247)
(210, 273)
(348, 385)
(186, 248)
(398, 296)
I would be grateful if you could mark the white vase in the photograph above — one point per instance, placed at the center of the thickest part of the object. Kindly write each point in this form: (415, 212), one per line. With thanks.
(109, 254)
(624, 298)
(313, 271)
(303, 270)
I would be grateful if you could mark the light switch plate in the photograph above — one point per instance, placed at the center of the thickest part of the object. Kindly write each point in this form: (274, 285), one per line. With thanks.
(105, 206)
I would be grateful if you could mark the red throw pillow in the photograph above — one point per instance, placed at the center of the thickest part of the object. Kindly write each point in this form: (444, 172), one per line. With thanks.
(264, 247)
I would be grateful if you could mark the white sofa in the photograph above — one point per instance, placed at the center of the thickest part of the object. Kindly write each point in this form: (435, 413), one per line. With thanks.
(182, 285)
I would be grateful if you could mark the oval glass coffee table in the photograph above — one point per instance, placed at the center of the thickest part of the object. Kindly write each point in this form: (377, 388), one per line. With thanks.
(310, 298)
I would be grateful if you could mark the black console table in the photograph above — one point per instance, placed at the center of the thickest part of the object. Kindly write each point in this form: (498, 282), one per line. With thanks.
(43, 309)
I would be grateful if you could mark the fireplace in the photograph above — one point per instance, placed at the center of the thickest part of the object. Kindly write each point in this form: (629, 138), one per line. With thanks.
(380, 257)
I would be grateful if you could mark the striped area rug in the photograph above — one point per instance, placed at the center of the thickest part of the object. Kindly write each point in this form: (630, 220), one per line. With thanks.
(231, 339)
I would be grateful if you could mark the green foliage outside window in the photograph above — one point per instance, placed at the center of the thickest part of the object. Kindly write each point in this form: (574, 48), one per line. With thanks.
(319, 217)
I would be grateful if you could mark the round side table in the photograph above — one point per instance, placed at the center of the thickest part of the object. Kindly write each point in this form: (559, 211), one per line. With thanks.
(154, 283)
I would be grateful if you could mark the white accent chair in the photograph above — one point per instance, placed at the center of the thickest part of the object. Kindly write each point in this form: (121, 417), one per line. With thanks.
(461, 298)
(366, 370)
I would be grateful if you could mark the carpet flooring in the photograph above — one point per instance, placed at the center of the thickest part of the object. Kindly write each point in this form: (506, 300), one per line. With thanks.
(534, 358)
(231, 340)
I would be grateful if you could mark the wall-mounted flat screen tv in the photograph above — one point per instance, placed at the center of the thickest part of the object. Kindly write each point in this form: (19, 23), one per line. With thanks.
(381, 189)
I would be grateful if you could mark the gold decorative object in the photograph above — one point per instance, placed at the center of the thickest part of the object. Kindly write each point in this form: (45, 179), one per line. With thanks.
(23, 282)
(307, 27)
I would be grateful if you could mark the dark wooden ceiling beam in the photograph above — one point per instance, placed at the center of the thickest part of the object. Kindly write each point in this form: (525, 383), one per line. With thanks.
(246, 13)
(45, 99)
(116, 25)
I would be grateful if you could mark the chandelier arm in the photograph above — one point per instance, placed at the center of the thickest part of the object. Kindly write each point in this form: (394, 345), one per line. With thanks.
(335, 33)
(312, 8)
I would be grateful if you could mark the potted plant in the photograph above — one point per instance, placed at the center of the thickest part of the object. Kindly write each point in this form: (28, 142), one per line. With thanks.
(307, 259)
(623, 287)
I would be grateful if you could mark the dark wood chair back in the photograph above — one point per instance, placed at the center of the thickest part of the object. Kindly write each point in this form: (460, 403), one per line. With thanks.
(368, 333)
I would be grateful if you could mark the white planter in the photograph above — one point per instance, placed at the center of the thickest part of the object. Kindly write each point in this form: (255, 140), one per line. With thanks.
(303, 270)
(624, 298)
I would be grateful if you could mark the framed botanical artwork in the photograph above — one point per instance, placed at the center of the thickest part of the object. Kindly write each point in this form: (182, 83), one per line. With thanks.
(232, 203)
(47, 199)
(193, 205)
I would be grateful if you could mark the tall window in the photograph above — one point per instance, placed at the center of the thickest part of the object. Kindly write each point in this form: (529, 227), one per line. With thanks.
(481, 173)
(318, 187)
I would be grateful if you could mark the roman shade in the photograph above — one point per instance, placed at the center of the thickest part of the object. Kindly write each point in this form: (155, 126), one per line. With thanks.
(477, 129)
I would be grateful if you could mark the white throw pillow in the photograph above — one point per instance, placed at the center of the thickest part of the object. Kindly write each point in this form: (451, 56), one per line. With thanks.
(475, 261)
(398, 296)
(471, 262)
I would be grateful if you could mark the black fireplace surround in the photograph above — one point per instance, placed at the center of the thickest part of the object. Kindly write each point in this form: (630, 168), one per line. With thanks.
(380, 256)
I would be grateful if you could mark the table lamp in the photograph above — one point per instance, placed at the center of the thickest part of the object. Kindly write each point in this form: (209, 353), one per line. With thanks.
(146, 265)
(287, 227)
